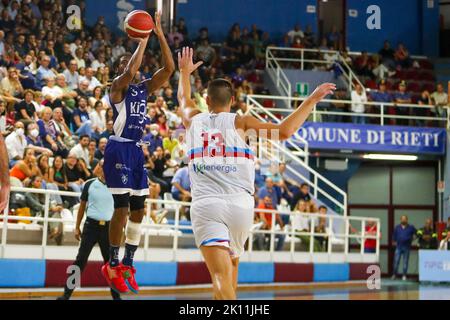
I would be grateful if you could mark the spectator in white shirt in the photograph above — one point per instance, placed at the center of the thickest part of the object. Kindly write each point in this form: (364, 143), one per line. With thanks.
(359, 98)
(74, 46)
(98, 118)
(52, 92)
(440, 100)
(296, 32)
(72, 76)
(81, 150)
(93, 81)
(16, 143)
(99, 62)
(79, 58)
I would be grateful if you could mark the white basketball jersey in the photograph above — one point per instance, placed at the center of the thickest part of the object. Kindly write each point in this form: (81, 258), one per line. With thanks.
(220, 162)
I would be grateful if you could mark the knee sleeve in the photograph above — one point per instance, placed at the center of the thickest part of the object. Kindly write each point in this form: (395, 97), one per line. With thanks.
(121, 201)
(137, 203)
(133, 233)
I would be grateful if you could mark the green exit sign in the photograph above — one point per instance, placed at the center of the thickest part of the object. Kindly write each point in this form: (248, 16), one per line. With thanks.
(303, 89)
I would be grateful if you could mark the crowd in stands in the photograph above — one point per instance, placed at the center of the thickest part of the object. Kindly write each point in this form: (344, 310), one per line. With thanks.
(56, 120)
(389, 76)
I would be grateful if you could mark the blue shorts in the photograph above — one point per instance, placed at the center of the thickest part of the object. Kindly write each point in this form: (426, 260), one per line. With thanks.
(124, 169)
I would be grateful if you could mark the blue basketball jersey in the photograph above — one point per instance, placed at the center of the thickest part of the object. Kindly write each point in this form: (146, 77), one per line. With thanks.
(130, 116)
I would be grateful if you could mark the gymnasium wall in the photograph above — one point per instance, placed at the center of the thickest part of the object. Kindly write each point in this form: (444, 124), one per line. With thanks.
(276, 17)
(413, 22)
(52, 273)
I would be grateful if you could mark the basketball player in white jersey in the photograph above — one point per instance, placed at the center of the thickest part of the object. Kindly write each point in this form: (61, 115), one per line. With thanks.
(222, 171)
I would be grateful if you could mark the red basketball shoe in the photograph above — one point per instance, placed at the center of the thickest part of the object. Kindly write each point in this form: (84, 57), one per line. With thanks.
(114, 278)
(128, 274)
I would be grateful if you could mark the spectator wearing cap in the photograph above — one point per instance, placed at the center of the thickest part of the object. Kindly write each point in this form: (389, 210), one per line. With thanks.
(381, 95)
(402, 97)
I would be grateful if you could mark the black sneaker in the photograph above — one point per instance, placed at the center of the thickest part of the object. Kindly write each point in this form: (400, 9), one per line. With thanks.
(63, 297)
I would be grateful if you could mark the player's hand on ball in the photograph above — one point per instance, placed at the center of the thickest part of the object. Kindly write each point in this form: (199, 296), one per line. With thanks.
(186, 60)
(322, 91)
(141, 40)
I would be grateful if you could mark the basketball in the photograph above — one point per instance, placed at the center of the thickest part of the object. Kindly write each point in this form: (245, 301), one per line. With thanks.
(139, 24)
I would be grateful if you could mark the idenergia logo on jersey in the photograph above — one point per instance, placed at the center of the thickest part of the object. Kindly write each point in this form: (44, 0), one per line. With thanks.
(202, 168)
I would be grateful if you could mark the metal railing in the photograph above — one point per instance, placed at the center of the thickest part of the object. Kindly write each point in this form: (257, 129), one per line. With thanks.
(300, 56)
(337, 242)
(382, 112)
(277, 74)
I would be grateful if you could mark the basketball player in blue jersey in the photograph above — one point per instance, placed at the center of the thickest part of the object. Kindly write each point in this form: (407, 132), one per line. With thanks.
(125, 175)
(222, 170)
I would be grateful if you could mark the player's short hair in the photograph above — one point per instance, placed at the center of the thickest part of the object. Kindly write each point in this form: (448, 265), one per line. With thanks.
(220, 92)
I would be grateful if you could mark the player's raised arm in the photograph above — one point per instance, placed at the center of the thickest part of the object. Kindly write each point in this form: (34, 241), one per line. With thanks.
(121, 83)
(163, 74)
(289, 126)
(187, 67)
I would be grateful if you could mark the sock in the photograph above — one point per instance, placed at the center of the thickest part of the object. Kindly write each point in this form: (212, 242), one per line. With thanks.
(129, 255)
(113, 256)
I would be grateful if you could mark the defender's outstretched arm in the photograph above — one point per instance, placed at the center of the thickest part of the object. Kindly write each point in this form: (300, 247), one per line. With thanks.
(289, 126)
(187, 67)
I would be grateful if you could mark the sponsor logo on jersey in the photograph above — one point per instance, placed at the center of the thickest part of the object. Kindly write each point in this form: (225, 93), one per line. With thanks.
(202, 168)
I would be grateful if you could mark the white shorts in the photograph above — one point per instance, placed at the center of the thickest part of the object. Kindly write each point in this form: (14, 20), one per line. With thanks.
(223, 220)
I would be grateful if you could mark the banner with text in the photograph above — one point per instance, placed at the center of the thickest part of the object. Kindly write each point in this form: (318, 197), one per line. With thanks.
(434, 265)
(395, 139)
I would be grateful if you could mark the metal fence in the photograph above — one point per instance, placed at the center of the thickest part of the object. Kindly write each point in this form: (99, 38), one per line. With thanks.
(379, 110)
(338, 234)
